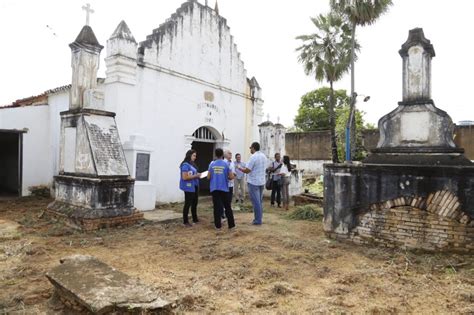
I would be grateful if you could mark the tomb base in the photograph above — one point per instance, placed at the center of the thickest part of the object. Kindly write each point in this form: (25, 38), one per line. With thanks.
(94, 203)
(408, 206)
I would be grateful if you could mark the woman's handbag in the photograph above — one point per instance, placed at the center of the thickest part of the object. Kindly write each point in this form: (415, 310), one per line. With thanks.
(269, 183)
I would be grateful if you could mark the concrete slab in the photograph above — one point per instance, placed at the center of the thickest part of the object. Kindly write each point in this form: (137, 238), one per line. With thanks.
(8, 230)
(86, 283)
(162, 215)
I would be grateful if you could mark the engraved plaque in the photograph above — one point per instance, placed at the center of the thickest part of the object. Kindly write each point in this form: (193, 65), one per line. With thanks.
(142, 170)
(106, 147)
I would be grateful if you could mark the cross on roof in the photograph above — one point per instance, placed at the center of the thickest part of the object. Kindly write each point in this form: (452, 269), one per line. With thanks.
(88, 10)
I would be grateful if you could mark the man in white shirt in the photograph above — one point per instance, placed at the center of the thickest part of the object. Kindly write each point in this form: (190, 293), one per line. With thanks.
(239, 181)
(256, 180)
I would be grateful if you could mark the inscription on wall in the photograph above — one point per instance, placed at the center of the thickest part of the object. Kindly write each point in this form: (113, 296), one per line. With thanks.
(211, 111)
(142, 170)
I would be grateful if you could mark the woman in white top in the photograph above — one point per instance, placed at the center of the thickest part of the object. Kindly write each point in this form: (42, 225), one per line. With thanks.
(285, 173)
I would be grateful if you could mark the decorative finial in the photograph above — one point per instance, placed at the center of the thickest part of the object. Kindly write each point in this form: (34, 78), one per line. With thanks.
(268, 117)
(278, 119)
(206, 4)
(216, 8)
(88, 10)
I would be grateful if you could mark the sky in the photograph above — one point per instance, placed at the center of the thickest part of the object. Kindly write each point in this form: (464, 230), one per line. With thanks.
(35, 56)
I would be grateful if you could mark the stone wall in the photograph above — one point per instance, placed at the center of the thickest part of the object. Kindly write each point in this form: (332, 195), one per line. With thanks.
(316, 145)
(425, 207)
(432, 223)
(464, 138)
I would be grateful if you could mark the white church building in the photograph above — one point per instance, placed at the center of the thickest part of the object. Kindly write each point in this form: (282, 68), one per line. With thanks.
(182, 87)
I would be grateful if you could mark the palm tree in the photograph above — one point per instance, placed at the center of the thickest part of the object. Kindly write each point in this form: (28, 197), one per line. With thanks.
(326, 55)
(358, 12)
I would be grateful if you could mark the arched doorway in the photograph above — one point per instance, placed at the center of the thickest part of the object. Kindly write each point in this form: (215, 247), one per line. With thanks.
(204, 143)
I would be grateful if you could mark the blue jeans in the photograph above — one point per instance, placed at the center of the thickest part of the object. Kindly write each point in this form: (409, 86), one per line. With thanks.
(256, 196)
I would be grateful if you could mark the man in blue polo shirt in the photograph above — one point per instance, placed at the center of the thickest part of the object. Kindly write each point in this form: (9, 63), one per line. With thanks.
(219, 175)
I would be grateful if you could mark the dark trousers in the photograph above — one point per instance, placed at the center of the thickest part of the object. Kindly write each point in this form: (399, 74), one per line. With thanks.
(276, 190)
(230, 195)
(190, 201)
(221, 199)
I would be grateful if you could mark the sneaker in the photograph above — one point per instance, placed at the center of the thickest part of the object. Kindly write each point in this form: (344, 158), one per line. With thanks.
(196, 222)
(232, 229)
(187, 224)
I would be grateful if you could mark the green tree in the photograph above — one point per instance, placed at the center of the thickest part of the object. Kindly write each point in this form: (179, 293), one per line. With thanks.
(362, 13)
(326, 55)
(313, 112)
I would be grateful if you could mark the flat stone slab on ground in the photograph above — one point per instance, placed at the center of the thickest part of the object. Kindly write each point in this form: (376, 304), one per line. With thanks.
(161, 215)
(8, 229)
(84, 282)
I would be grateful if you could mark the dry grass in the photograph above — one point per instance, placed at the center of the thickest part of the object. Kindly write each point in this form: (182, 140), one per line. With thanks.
(283, 266)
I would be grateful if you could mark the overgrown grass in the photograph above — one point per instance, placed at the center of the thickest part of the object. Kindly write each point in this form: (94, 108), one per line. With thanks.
(307, 212)
(316, 188)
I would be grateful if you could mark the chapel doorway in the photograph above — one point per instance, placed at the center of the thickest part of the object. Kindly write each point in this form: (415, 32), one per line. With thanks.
(10, 163)
(204, 146)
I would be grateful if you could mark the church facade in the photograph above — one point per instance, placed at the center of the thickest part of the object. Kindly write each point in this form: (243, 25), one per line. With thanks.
(182, 87)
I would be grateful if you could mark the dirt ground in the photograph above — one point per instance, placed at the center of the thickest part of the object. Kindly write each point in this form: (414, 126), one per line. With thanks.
(282, 267)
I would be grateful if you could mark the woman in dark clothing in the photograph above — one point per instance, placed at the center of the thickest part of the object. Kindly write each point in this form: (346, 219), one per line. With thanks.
(189, 183)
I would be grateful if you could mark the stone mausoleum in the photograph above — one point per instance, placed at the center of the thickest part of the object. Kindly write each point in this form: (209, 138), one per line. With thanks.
(416, 189)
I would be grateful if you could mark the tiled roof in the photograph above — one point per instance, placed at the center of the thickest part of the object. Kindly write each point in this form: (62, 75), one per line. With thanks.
(42, 99)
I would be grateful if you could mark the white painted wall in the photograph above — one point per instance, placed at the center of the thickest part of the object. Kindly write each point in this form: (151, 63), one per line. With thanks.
(167, 103)
(37, 153)
(310, 167)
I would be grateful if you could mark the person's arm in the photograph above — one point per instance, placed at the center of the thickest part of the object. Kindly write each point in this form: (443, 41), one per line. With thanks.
(231, 175)
(209, 172)
(187, 176)
(248, 168)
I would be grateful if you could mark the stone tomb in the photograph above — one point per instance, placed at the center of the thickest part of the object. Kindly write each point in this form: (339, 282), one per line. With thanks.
(84, 283)
(416, 189)
(94, 188)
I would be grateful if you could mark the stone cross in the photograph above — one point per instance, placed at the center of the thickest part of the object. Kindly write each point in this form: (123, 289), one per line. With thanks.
(88, 10)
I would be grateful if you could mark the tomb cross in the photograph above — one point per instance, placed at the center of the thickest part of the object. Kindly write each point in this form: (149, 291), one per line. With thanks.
(88, 10)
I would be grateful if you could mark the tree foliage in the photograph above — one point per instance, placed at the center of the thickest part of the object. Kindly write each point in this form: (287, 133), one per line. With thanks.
(313, 112)
(326, 54)
(313, 115)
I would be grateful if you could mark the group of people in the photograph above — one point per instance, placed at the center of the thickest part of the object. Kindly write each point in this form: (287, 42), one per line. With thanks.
(225, 175)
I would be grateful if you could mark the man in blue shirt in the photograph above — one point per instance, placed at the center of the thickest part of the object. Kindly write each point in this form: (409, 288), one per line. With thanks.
(219, 175)
(256, 180)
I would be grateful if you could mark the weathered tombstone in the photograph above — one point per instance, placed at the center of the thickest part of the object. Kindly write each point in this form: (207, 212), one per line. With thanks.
(93, 188)
(416, 188)
(84, 283)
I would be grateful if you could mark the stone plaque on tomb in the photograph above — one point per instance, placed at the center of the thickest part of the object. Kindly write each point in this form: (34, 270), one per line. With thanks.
(69, 149)
(106, 147)
(143, 167)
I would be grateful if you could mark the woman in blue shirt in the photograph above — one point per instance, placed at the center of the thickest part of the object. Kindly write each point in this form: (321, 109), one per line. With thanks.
(189, 183)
